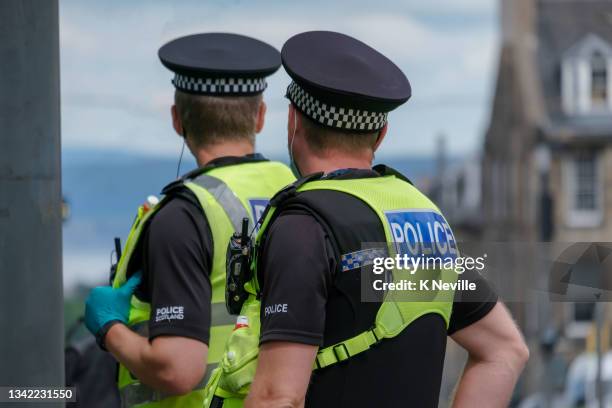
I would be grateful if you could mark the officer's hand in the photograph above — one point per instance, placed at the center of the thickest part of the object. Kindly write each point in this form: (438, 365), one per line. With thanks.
(106, 305)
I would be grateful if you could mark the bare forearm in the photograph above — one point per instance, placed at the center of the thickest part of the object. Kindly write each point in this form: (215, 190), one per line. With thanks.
(486, 384)
(136, 354)
(261, 401)
(268, 391)
(282, 375)
(497, 355)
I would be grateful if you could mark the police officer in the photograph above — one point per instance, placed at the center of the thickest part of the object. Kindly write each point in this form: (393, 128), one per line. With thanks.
(321, 342)
(164, 315)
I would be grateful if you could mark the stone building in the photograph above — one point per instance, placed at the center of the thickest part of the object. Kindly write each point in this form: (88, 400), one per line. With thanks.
(551, 122)
(547, 156)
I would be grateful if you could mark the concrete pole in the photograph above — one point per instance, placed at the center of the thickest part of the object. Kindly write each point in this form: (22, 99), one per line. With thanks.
(31, 299)
(599, 322)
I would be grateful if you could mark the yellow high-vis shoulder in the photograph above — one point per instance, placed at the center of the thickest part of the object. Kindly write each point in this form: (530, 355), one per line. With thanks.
(227, 194)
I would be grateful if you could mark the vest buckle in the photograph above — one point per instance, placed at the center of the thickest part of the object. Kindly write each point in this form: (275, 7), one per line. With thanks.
(341, 352)
(376, 338)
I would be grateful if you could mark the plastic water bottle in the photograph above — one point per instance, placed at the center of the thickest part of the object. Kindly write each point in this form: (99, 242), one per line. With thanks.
(151, 202)
(241, 321)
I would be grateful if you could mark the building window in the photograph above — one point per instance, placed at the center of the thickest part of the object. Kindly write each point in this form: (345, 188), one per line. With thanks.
(580, 320)
(500, 193)
(583, 185)
(586, 182)
(584, 312)
(599, 80)
(586, 83)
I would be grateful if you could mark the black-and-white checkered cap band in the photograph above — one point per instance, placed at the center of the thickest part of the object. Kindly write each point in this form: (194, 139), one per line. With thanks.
(334, 116)
(217, 86)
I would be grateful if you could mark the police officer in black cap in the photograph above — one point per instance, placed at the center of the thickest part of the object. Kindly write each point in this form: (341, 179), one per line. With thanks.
(165, 317)
(327, 337)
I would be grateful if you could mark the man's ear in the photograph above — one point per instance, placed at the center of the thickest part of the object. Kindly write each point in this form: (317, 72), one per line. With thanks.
(261, 117)
(176, 121)
(290, 113)
(381, 135)
(294, 122)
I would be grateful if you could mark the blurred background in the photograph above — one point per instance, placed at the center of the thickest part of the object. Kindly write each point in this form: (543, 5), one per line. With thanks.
(509, 130)
(117, 140)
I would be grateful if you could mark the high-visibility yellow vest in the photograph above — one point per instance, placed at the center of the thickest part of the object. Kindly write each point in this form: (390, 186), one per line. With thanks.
(389, 197)
(226, 194)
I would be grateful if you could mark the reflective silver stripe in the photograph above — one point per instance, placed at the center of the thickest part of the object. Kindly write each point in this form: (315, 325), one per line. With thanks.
(209, 369)
(137, 393)
(225, 197)
(219, 315)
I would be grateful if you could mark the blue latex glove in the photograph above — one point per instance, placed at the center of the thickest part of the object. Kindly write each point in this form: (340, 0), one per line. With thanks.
(105, 305)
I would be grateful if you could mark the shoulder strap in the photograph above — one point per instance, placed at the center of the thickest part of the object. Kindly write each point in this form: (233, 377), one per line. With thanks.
(291, 189)
(286, 193)
(385, 170)
(391, 319)
(348, 348)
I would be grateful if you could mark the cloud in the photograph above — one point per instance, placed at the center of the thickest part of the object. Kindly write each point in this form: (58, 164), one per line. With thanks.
(479, 7)
(115, 94)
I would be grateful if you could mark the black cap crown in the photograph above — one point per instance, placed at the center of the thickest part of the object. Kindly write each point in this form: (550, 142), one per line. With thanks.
(342, 83)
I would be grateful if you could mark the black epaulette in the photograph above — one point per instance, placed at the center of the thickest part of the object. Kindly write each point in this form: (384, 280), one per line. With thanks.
(290, 190)
(385, 170)
(177, 189)
(180, 182)
(171, 187)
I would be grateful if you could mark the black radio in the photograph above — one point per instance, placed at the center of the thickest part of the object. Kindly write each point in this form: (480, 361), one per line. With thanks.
(238, 272)
(115, 265)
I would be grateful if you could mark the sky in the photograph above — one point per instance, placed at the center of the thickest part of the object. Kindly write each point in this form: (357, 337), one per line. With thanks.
(117, 96)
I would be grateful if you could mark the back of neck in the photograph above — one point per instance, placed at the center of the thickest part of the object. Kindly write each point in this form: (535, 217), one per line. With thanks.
(209, 153)
(332, 162)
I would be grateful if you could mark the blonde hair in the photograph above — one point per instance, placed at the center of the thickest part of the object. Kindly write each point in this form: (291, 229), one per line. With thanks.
(208, 120)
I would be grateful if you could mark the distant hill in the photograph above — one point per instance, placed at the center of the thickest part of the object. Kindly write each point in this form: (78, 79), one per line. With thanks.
(105, 182)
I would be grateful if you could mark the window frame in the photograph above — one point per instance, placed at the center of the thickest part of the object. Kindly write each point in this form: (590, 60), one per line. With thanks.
(605, 72)
(576, 217)
(576, 329)
(577, 77)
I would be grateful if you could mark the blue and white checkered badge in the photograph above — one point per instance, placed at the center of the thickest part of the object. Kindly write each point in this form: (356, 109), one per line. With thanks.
(420, 232)
(358, 259)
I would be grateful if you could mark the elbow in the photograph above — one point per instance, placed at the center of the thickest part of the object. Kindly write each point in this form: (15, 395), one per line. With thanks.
(276, 403)
(269, 399)
(288, 402)
(175, 389)
(521, 354)
(511, 355)
(173, 383)
(515, 355)
(176, 379)
(174, 366)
